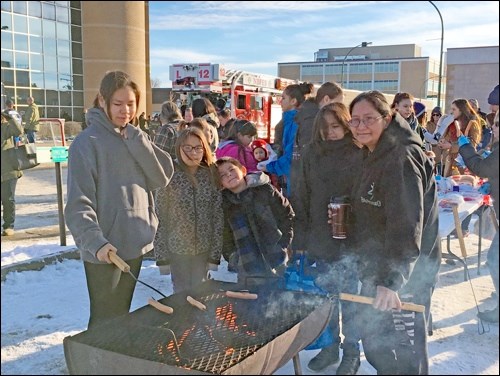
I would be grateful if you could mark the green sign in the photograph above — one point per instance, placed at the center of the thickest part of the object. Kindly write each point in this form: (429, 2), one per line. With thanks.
(59, 153)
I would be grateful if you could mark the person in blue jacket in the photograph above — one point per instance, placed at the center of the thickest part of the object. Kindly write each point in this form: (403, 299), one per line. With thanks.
(293, 96)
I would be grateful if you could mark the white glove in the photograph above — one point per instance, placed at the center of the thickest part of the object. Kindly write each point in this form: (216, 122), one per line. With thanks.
(164, 269)
(262, 164)
(429, 137)
(443, 123)
(272, 154)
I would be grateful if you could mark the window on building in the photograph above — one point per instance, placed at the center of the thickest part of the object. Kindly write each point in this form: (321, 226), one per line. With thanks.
(35, 25)
(386, 86)
(20, 24)
(312, 70)
(360, 67)
(360, 85)
(21, 42)
(48, 11)
(387, 67)
(333, 69)
(19, 7)
(35, 9)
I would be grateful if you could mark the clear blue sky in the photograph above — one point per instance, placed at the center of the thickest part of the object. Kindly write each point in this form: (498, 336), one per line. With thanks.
(256, 36)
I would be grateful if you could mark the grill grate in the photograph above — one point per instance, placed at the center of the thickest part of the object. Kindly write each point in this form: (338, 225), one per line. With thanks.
(209, 341)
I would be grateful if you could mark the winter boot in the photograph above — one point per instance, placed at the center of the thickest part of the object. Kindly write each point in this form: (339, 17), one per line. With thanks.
(326, 357)
(350, 360)
(489, 316)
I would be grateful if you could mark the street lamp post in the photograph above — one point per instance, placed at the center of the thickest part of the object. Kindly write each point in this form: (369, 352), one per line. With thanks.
(363, 44)
(440, 55)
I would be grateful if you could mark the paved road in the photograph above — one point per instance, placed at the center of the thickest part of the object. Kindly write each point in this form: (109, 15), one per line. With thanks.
(36, 202)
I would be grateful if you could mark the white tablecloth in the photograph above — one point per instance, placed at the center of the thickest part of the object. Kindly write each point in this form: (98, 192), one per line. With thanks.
(446, 222)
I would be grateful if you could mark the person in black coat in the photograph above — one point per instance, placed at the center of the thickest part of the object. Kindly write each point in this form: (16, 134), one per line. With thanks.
(334, 150)
(396, 235)
(486, 168)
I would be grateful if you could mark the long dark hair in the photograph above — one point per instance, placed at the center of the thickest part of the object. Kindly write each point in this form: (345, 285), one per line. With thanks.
(299, 92)
(341, 114)
(467, 113)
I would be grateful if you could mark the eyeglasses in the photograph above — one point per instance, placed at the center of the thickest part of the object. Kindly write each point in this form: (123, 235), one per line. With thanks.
(189, 149)
(436, 114)
(367, 121)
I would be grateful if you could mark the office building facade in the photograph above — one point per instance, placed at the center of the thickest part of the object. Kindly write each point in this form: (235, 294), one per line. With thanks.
(472, 73)
(58, 52)
(390, 69)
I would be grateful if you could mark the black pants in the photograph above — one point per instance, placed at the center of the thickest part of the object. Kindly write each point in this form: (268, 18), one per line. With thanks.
(9, 202)
(395, 343)
(188, 271)
(108, 301)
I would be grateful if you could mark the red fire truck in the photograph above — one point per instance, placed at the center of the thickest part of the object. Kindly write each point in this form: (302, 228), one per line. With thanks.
(251, 96)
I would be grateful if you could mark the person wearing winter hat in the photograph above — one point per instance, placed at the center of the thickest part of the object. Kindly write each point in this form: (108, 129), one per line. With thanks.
(259, 148)
(420, 113)
(493, 99)
(437, 110)
(419, 108)
(431, 128)
(263, 154)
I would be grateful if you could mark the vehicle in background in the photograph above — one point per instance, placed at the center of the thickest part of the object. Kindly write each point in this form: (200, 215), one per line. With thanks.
(251, 96)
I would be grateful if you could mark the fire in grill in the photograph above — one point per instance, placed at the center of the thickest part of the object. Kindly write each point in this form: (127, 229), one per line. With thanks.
(215, 341)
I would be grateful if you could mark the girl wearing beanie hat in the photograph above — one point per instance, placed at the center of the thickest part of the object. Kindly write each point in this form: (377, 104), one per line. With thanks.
(431, 128)
(259, 148)
(493, 99)
(263, 154)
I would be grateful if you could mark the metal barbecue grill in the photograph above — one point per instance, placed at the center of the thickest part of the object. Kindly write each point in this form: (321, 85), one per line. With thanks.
(233, 336)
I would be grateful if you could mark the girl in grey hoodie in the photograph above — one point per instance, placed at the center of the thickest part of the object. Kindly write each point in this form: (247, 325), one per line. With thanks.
(113, 169)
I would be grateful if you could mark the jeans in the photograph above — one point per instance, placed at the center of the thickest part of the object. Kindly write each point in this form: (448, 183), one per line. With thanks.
(336, 277)
(31, 136)
(9, 202)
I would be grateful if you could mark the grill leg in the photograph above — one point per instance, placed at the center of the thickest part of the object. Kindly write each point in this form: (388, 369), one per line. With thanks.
(296, 364)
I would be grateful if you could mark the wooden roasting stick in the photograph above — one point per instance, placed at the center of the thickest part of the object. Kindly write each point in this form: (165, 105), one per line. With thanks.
(161, 307)
(367, 300)
(196, 303)
(115, 259)
(241, 295)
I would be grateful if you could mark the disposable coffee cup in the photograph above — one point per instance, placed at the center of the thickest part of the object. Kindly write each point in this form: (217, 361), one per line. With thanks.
(340, 210)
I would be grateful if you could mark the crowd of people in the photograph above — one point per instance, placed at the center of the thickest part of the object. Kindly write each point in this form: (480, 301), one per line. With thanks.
(202, 187)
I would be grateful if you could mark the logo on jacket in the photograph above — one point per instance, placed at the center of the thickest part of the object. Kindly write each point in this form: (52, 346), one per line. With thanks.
(370, 200)
(370, 192)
